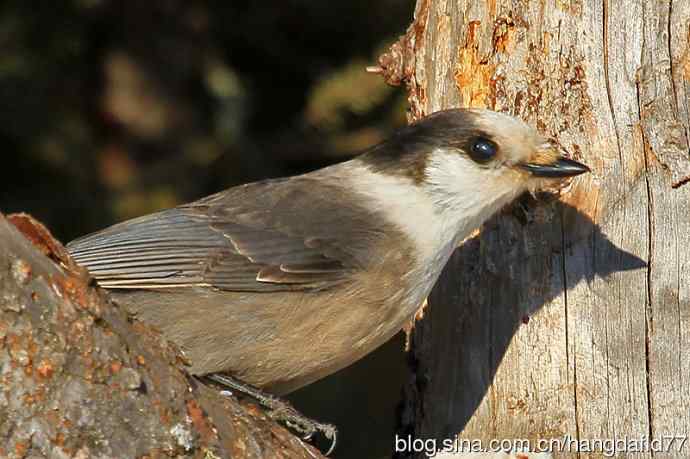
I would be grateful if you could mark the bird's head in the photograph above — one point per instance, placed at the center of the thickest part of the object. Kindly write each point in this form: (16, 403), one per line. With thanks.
(472, 159)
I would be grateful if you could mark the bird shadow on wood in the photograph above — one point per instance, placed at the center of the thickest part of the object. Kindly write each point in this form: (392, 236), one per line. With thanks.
(523, 259)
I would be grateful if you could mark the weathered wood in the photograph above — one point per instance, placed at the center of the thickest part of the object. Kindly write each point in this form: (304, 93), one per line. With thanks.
(79, 379)
(563, 318)
(664, 97)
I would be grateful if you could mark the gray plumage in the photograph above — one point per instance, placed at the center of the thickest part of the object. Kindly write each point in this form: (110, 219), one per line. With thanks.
(201, 273)
(282, 282)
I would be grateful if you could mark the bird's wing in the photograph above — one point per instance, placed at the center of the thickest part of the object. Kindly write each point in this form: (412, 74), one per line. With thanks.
(248, 238)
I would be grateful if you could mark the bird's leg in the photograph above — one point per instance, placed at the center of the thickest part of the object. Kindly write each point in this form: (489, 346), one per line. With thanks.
(279, 409)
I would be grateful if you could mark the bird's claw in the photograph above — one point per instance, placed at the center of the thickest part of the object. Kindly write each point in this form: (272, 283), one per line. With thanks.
(280, 410)
(306, 427)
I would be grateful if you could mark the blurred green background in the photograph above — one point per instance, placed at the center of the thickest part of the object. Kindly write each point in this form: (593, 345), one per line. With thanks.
(116, 109)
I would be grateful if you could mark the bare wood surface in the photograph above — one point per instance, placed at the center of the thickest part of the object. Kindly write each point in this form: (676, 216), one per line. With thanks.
(79, 379)
(563, 319)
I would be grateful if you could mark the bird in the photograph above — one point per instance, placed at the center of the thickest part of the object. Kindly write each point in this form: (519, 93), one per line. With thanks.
(284, 281)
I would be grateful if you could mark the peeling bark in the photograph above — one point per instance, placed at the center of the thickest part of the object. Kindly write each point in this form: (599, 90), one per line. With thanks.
(80, 379)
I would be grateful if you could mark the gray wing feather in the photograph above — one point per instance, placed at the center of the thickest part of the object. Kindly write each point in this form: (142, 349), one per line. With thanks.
(228, 241)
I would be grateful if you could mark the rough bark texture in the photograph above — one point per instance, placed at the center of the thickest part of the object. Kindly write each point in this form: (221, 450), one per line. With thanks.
(571, 317)
(79, 379)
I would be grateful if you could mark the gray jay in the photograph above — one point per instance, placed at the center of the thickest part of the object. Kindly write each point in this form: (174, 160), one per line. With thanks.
(284, 281)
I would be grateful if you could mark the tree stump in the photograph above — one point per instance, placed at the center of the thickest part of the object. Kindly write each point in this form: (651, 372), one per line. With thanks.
(563, 319)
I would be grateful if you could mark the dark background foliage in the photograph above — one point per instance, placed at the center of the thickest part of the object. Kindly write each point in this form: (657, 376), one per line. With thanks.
(115, 109)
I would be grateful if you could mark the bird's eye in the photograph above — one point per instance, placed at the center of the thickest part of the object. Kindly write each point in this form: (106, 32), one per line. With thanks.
(483, 150)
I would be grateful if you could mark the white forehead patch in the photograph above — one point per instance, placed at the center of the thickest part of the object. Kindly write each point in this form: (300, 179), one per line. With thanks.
(519, 140)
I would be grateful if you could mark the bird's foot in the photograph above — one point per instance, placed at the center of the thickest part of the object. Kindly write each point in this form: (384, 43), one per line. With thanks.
(280, 410)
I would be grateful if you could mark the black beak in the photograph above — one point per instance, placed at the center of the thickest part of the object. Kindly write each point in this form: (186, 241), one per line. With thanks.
(561, 168)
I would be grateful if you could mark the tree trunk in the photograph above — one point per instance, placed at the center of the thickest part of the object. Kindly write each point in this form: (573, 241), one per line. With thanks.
(563, 319)
(79, 379)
